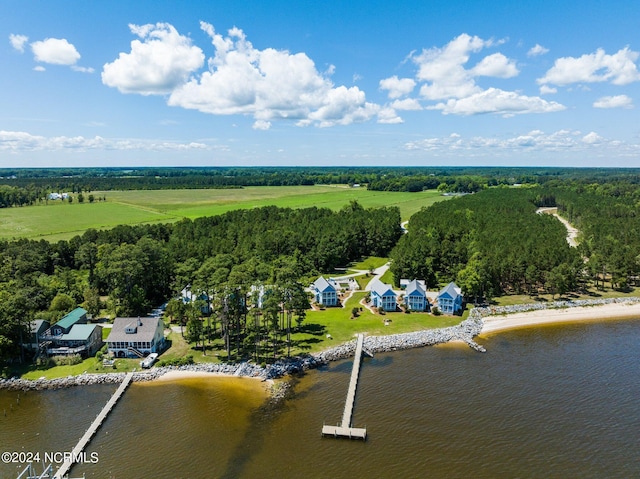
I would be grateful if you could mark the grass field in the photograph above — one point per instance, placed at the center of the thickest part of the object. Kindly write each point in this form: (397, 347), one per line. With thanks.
(59, 220)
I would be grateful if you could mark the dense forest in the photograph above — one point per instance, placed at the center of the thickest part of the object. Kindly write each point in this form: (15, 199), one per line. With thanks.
(493, 243)
(138, 267)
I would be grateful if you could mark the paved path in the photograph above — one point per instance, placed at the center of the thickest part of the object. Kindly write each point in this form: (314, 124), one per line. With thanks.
(377, 273)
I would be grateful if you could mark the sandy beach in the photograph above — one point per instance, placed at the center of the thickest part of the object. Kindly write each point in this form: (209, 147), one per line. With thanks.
(494, 324)
(176, 375)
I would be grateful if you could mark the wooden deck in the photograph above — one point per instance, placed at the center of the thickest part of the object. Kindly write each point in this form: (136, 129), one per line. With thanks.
(84, 440)
(345, 429)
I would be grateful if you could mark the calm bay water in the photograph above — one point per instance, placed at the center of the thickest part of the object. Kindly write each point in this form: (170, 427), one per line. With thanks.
(553, 402)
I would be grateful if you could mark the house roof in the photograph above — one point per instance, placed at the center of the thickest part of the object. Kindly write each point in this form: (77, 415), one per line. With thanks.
(450, 290)
(71, 318)
(415, 287)
(39, 326)
(323, 285)
(145, 329)
(79, 332)
(380, 288)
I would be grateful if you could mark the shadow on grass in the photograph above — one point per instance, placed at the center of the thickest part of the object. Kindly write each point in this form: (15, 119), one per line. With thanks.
(314, 329)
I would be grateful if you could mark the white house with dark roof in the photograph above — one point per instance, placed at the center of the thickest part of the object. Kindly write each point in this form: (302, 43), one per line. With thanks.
(136, 337)
(382, 295)
(325, 292)
(450, 299)
(415, 296)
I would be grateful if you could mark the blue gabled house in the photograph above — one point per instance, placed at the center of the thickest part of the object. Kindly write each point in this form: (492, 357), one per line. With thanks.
(415, 296)
(324, 292)
(450, 299)
(383, 296)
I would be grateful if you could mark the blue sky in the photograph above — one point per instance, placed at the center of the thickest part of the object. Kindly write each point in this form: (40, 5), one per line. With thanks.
(427, 83)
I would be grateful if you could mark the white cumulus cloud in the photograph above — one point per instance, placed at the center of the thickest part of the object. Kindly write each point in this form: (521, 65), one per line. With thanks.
(268, 84)
(618, 101)
(397, 87)
(537, 50)
(443, 68)
(389, 116)
(547, 90)
(159, 62)
(619, 69)
(55, 51)
(498, 101)
(496, 65)
(18, 41)
(261, 125)
(592, 138)
(444, 75)
(406, 104)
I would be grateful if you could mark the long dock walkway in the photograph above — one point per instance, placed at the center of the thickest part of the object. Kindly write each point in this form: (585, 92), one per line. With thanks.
(84, 440)
(345, 429)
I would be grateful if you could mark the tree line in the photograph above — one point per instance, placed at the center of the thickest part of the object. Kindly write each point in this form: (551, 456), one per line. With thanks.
(447, 179)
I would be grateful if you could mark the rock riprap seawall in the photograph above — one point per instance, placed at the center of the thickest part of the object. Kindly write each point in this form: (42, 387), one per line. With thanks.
(465, 331)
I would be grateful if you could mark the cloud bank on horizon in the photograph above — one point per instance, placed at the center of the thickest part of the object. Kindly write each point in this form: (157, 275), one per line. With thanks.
(468, 76)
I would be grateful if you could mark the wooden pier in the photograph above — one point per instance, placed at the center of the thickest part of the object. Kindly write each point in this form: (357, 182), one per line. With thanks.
(345, 429)
(84, 440)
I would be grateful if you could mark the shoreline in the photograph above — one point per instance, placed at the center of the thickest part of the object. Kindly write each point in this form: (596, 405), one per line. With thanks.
(177, 375)
(481, 322)
(494, 324)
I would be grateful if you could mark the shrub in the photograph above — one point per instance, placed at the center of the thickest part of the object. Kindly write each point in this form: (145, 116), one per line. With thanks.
(67, 360)
(188, 359)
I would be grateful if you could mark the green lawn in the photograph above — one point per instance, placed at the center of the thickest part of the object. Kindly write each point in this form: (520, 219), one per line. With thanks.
(90, 365)
(61, 220)
(338, 323)
(369, 263)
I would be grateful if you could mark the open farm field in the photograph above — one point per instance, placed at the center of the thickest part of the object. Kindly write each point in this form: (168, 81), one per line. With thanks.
(58, 220)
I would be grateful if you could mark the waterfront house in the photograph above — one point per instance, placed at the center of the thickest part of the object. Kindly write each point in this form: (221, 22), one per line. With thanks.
(450, 299)
(382, 295)
(325, 292)
(415, 296)
(82, 339)
(136, 337)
